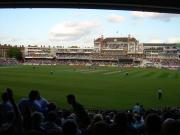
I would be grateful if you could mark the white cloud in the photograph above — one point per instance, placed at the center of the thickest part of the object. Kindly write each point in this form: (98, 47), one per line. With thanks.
(114, 18)
(152, 15)
(174, 40)
(70, 30)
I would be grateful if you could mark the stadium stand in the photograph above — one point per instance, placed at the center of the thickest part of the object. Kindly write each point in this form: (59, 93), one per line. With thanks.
(8, 61)
(109, 51)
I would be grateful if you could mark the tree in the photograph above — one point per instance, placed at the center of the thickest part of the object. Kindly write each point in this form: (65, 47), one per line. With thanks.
(14, 52)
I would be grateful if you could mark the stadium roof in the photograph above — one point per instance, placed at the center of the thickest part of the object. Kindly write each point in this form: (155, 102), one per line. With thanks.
(116, 39)
(121, 39)
(169, 6)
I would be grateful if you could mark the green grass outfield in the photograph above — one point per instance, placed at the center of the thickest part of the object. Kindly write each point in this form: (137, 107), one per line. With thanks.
(103, 88)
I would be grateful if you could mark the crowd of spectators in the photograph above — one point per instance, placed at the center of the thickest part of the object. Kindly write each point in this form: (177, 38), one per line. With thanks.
(94, 56)
(86, 62)
(40, 61)
(36, 116)
(114, 46)
(104, 57)
(165, 62)
(170, 62)
(154, 60)
(71, 62)
(98, 59)
(8, 61)
(73, 56)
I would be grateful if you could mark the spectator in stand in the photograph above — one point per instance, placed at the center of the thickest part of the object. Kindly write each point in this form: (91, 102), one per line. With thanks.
(43, 103)
(5, 107)
(153, 124)
(27, 107)
(120, 125)
(82, 116)
(37, 119)
(96, 118)
(137, 108)
(101, 128)
(142, 110)
(13, 123)
(50, 124)
(171, 127)
(138, 124)
(31, 102)
(70, 128)
(51, 107)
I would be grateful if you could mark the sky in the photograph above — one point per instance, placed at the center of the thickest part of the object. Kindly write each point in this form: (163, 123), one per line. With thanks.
(79, 27)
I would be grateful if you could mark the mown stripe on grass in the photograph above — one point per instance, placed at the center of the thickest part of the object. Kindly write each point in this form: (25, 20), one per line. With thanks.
(149, 74)
(134, 73)
(172, 75)
(139, 74)
(163, 75)
(93, 71)
(114, 72)
(177, 75)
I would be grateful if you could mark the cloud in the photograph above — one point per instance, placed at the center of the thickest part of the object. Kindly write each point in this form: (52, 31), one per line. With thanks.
(174, 40)
(152, 15)
(70, 30)
(114, 18)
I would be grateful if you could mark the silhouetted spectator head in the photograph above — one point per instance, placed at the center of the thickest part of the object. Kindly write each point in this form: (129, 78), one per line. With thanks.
(167, 126)
(51, 106)
(33, 95)
(52, 116)
(71, 99)
(4, 97)
(171, 127)
(97, 118)
(153, 124)
(121, 119)
(9, 92)
(37, 119)
(66, 114)
(70, 127)
(38, 94)
(107, 119)
(169, 114)
(100, 128)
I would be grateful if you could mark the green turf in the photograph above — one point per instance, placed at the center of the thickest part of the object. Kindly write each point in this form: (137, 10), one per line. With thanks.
(103, 88)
